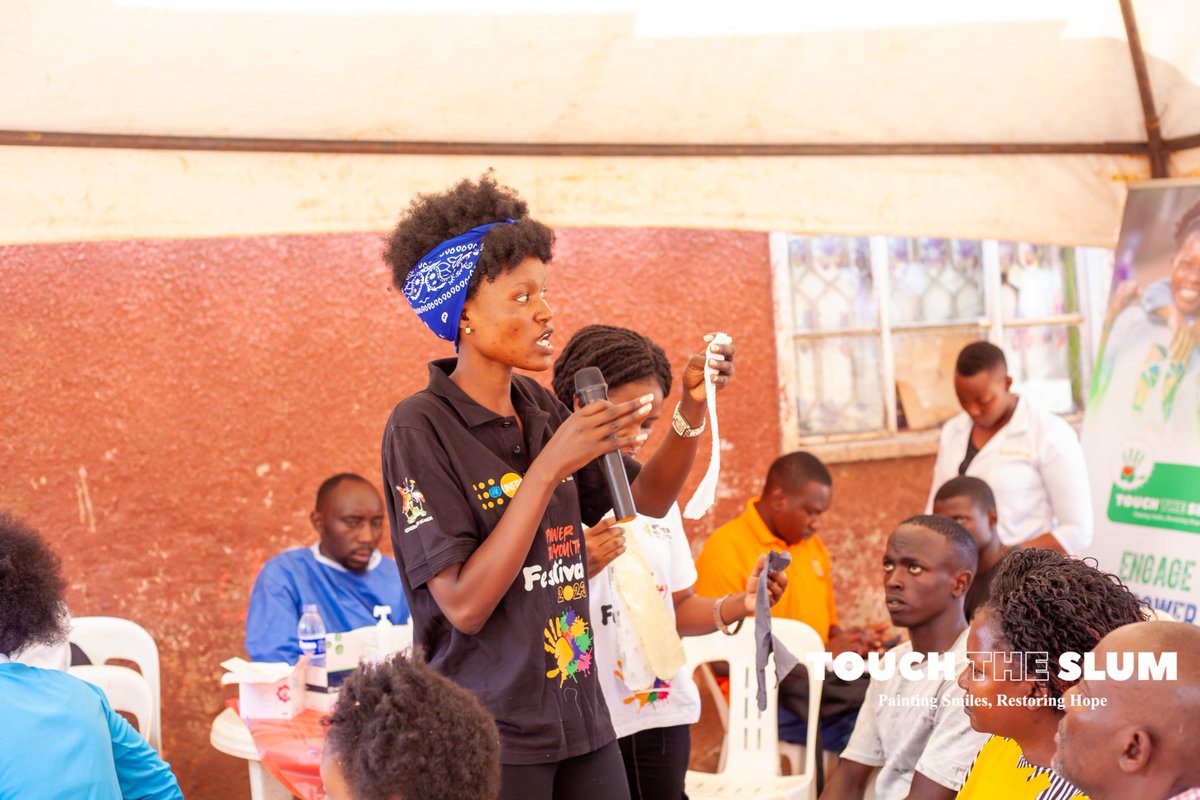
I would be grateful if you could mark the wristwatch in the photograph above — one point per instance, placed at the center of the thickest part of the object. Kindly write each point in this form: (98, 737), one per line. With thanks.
(681, 427)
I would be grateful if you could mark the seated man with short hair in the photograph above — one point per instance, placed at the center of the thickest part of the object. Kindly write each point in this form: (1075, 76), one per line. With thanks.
(969, 502)
(797, 491)
(914, 729)
(344, 574)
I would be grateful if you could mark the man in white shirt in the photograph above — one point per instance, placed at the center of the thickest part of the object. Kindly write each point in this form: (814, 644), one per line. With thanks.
(1030, 457)
(914, 730)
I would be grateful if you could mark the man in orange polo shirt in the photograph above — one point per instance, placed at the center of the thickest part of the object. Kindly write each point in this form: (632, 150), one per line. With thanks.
(797, 491)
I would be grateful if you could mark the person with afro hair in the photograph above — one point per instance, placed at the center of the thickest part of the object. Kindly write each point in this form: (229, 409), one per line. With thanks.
(652, 717)
(1043, 605)
(491, 479)
(60, 740)
(401, 731)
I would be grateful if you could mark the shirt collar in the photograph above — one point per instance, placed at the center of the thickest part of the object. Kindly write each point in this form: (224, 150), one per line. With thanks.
(372, 563)
(759, 527)
(471, 412)
(1018, 423)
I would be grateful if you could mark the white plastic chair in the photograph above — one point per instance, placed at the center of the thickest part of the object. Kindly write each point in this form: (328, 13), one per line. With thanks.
(750, 765)
(105, 638)
(125, 689)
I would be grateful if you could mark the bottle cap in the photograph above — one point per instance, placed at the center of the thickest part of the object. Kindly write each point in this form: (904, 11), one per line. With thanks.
(310, 607)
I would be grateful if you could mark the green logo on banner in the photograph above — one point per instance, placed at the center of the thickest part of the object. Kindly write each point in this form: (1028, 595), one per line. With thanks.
(1156, 495)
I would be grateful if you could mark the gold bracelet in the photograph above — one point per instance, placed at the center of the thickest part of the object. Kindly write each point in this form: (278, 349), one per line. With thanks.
(720, 623)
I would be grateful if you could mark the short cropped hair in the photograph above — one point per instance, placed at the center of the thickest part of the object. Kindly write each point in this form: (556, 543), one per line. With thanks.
(1046, 602)
(975, 489)
(792, 472)
(433, 218)
(32, 610)
(966, 554)
(401, 730)
(979, 356)
(622, 355)
(331, 483)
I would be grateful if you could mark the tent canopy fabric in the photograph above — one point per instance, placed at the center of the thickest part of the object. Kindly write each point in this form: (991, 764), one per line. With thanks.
(749, 115)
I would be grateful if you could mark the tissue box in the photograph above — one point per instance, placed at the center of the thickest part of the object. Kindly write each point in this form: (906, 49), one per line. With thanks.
(267, 690)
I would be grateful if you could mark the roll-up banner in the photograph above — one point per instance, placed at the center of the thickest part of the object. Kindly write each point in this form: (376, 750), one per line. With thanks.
(1141, 430)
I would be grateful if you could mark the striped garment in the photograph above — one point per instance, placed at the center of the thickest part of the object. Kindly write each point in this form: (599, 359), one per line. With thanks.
(1001, 772)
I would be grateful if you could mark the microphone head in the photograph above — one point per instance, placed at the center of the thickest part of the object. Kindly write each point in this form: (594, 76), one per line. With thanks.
(589, 377)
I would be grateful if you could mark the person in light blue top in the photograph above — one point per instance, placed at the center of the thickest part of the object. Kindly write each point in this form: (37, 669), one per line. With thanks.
(61, 740)
(343, 574)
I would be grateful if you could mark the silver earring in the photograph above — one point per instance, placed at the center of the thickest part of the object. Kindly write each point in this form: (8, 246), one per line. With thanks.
(467, 330)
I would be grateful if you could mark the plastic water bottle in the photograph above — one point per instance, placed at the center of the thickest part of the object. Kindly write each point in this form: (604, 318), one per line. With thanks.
(311, 632)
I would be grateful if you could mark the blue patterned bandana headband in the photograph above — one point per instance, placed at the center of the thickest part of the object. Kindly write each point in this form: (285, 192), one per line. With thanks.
(437, 286)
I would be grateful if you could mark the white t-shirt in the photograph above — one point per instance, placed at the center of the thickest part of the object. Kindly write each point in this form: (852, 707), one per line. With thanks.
(674, 702)
(908, 726)
(1035, 467)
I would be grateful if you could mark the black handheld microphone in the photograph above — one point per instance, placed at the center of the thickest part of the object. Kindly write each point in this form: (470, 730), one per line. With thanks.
(590, 387)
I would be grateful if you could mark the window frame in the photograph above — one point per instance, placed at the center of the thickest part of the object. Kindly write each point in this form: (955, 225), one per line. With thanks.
(889, 441)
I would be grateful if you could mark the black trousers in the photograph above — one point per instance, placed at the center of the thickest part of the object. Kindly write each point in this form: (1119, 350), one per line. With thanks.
(656, 761)
(598, 775)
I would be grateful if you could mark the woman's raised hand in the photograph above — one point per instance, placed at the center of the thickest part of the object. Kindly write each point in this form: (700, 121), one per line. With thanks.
(720, 357)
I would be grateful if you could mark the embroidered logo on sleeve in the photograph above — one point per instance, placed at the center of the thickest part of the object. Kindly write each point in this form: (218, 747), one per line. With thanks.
(412, 504)
(569, 642)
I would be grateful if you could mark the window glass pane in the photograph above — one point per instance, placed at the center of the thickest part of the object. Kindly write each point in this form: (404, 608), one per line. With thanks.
(831, 283)
(838, 386)
(935, 280)
(925, 377)
(1043, 362)
(1036, 280)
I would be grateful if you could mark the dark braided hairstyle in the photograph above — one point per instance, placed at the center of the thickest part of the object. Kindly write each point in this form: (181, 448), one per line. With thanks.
(433, 218)
(624, 356)
(401, 730)
(31, 589)
(1188, 224)
(1045, 602)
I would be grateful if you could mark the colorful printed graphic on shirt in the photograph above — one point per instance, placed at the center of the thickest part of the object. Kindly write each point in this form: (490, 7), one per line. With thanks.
(494, 492)
(569, 641)
(658, 693)
(562, 542)
(571, 591)
(488, 493)
(412, 501)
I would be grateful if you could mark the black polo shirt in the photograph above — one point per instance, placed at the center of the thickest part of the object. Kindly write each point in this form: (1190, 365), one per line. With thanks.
(451, 467)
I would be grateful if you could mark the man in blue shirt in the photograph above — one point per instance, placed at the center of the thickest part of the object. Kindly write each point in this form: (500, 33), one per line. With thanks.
(344, 574)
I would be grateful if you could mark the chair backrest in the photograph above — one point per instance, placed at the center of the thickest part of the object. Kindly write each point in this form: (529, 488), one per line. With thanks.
(125, 689)
(105, 638)
(752, 738)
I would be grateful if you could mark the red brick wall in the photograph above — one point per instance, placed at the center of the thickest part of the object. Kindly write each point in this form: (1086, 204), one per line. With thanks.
(171, 406)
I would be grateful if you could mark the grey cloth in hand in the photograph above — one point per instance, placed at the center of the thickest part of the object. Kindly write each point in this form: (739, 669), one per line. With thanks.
(766, 641)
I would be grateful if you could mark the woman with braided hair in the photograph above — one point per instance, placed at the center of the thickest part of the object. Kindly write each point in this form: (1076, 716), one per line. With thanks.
(1043, 604)
(652, 716)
